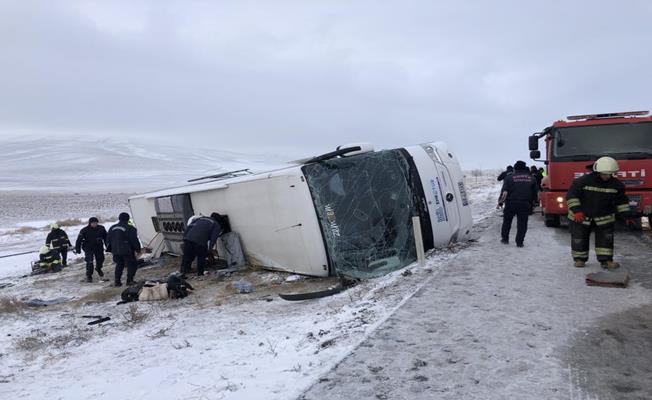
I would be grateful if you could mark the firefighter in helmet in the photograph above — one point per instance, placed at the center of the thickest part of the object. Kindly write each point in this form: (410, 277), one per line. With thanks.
(58, 240)
(593, 201)
(49, 261)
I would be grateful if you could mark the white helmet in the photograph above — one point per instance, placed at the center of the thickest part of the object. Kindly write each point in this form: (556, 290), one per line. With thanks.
(45, 249)
(54, 225)
(606, 165)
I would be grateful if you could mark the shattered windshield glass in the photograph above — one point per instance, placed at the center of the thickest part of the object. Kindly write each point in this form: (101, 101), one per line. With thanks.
(365, 206)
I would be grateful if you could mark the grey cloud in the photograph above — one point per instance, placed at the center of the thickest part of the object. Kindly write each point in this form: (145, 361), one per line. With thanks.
(308, 75)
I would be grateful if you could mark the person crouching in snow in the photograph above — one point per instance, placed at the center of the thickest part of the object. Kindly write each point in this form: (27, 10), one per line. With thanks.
(91, 239)
(49, 261)
(58, 240)
(122, 242)
(200, 236)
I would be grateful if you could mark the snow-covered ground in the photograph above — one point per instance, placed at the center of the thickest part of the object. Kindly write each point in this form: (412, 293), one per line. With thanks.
(480, 321)
(500, 322)
(215, 344)
(87, 164)
(26, 217)
(30, 209)
(485, 189)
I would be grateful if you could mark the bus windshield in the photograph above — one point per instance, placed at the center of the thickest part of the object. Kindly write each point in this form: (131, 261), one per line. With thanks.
(365, 206)
(621, 141)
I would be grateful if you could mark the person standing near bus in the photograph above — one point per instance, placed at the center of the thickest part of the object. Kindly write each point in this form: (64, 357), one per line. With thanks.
(593, 201)
(518, 192)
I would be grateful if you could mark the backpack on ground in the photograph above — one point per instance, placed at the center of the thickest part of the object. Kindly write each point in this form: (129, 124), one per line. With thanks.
(153, 290)
(177, 287)
(131, 293)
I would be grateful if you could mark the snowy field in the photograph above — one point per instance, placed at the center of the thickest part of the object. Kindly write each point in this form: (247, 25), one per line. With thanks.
(480, 321)
(91, 165)
(214, 344)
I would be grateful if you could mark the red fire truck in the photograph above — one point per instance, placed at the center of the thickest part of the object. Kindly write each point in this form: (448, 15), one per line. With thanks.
(572, 145)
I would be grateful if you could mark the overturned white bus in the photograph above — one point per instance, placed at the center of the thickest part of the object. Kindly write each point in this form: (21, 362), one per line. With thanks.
(346, 213)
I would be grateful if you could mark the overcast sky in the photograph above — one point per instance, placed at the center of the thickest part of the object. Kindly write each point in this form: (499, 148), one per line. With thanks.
(306, 76)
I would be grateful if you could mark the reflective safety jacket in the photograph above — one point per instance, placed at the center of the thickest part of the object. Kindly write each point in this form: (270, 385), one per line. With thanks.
(57, 239)
(51, 257)
(599, 200)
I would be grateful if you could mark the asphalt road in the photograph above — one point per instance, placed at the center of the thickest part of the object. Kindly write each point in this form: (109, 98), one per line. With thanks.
(498, 322)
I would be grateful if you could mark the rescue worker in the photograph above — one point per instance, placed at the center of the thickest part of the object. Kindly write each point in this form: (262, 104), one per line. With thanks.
(49, 260)
(122, 241)
(518, 192)
(92, 238)
(536, 173)
(507, 171)
(593, 200)
(200, 236)
(58, 240)
(539, 177)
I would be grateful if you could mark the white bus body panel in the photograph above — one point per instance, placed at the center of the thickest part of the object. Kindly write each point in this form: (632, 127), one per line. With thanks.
(273, 213)
(142, 211)
(443, 186)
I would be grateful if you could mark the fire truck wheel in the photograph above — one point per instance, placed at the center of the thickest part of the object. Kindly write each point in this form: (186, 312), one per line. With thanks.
(551, 220)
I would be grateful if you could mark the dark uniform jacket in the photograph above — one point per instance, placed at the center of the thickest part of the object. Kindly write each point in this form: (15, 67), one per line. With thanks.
(503, 175)
(599, 200)
(122, 240)
(202, 230)
(57, 239)
(538, 176)
(91, 238)
(520, 186)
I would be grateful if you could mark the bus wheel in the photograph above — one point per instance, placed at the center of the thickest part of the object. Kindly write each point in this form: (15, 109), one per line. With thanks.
(551, 220)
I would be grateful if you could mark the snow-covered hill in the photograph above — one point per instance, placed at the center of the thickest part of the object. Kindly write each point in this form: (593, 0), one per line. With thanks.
(89, 164)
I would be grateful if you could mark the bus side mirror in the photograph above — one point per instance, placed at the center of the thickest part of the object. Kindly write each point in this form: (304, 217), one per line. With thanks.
(533, 143)
(535, 154)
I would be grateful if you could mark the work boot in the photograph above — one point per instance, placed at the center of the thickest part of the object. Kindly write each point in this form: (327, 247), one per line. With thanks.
(504, 241)
(519, 244)
(580, 263)
(89, 279)
(117, 284)
(610, 265)
(99, 271)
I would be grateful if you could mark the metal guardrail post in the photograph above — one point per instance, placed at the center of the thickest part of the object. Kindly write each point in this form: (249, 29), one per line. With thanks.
(418, 241)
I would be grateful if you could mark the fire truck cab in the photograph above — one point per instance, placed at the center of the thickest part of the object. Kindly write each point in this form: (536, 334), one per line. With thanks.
(572, 145)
